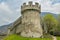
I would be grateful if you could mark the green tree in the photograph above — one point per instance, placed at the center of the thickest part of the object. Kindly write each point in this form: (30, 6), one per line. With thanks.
(49, 22)
(58, 27)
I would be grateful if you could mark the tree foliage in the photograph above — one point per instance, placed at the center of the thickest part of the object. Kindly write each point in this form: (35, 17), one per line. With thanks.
(58, 27)
(49, 22)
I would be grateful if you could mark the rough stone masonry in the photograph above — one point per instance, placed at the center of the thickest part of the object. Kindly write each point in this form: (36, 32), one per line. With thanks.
(28, 25)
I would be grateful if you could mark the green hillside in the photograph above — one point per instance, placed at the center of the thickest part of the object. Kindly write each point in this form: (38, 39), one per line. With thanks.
(16, 37)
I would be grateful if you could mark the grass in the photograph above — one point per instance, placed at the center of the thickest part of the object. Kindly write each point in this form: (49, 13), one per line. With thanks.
(16, 37)
(58, 38)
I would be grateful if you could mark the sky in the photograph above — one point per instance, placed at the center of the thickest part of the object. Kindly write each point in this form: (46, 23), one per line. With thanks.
(10, 10)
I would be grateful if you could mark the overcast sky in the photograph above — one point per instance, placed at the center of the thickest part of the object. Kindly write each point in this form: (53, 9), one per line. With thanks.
(10, 9)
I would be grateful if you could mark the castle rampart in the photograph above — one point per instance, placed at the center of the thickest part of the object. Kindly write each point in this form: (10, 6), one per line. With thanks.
(30, 6)
(29, 24)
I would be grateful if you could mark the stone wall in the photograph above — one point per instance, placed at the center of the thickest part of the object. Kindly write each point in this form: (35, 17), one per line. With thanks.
(31, 21)
(29, 25)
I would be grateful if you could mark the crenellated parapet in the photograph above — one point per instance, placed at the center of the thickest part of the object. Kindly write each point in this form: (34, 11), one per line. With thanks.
(30, 6)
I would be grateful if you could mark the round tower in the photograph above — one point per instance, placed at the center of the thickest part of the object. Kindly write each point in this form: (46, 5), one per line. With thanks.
(31, 20)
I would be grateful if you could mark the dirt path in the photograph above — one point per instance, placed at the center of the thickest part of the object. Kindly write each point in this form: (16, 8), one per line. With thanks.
(54, 38)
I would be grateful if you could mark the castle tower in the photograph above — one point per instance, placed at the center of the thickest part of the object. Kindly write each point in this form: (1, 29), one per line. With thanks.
(31, 20)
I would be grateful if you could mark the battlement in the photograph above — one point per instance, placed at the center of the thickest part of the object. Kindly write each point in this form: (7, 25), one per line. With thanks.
(30, 6)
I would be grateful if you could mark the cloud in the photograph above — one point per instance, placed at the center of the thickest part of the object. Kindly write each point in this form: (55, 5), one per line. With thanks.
(56, 8)
(5, 12)
(47, 6)
(55, 1)
(7, 15)
(10, 10)
(5, 7)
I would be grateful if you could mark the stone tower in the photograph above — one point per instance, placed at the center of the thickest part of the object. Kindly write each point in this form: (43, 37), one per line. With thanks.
(31, 20)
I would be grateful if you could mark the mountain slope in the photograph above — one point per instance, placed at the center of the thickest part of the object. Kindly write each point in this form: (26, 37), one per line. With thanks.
(44, 13)
(4, 28)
